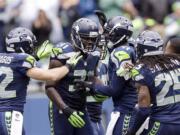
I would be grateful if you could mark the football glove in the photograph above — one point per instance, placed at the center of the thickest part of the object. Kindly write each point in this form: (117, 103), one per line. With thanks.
(44, 50)
(74, 117)
(125, 70)
(82, 85)
(56, 51)
(71, 62)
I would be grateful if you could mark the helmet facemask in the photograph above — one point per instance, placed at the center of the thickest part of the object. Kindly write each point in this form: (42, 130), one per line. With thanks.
(85, 37)
(118, 32)
(89, 44)
(21, 40)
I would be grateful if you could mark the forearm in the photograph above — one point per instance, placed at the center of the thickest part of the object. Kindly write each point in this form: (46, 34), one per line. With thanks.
(48, 74)
(58, 73)
(104, 90)
(113, 89)
(55, 97)
(143, 109)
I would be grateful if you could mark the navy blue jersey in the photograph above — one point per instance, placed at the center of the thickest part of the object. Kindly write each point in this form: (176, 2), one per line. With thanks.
(84, 70)
(95, 108)
(13, 80)
(124, 96)
(164, 88)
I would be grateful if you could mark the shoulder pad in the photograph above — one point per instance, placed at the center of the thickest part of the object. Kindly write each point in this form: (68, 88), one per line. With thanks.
(121, 55)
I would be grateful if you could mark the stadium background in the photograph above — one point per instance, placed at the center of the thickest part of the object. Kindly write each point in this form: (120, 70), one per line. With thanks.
(52, 20)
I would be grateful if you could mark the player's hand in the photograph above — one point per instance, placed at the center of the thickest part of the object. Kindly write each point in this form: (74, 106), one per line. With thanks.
(124, 71)
(56, 51)
(99, 98)
(82, 85)
(71, 62)
(74, 117)
(44, 50)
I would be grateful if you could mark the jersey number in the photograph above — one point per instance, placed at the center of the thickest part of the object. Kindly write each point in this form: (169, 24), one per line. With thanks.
(81, 75)
(171, 85)
(6, 75)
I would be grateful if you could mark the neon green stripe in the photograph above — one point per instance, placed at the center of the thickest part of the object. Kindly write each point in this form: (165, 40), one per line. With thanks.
(122, 55)
(126, 123)
(155, 128)
(30, 59)
(8, 118)
(51, 117)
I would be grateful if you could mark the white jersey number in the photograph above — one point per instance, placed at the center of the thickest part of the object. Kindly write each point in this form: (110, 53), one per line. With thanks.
(6, 74)
(170, 81)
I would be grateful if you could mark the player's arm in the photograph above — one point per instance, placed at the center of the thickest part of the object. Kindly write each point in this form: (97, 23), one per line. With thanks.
(115, 85)
(55, 73)
(113, 89)
(73, 116)
(97, 95)
(117, 82)
(50, 87)
(143, 109)
(48, 74)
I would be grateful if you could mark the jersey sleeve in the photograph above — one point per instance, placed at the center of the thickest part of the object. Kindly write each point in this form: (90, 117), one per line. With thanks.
(25, 62)
(121, 56)
(142, 75)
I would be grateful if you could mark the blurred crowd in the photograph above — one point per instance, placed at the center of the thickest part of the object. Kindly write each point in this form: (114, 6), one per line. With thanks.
(52, 20)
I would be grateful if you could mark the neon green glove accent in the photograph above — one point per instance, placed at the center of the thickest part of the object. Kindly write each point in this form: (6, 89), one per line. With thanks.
(31, 59)
(71, 63)
(76, 120)
(100, 98)
(57, 51)
(44, 50)
(74, 117)
(125, 70)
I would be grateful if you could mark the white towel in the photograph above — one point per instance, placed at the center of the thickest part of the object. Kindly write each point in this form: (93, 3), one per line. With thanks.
(16, 123)
(145, 125)
(114, 117)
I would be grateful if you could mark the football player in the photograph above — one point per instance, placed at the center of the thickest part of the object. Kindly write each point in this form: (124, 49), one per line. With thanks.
(17, 66)
(117, 32)
(158, 84)
(94, 107)
(67, 110)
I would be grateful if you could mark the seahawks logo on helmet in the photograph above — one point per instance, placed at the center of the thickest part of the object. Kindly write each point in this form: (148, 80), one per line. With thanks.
(20, 40)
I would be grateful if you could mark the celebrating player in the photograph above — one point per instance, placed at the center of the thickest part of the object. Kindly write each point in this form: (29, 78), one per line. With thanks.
(67, 109)
(157, 80)
(17, 66)
(117, 32)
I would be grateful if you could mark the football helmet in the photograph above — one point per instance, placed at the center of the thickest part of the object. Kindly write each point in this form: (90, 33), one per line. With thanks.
(102, 47)
(117, 31)
(20, 40)
(149, 43)
(85, 35)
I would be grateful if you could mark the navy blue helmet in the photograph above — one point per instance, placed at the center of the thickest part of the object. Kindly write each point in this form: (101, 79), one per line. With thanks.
(117, 31)
(85, 35)
(20, 40)
(149, 43)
